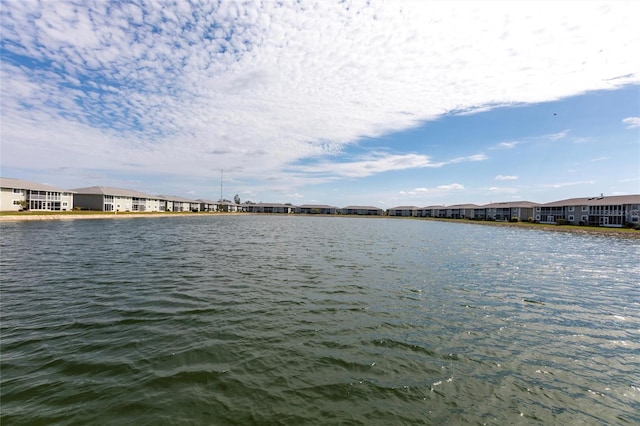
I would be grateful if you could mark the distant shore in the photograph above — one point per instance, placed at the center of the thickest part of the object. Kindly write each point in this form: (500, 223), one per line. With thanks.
(31, 216)
(592, 230)
(20, 217)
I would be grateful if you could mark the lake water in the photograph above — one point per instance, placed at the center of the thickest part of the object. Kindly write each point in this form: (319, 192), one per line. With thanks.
(315, 320)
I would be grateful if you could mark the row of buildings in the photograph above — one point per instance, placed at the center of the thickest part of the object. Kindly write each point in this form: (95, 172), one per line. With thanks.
(614, 211)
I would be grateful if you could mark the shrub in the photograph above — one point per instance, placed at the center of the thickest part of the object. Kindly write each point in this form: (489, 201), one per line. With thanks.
(562, 222)
(514, 219)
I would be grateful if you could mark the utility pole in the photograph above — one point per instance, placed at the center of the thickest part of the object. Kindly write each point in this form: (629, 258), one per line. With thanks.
(221, 175)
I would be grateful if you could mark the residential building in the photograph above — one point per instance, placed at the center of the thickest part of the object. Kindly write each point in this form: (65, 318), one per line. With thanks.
(109, 199)
(505, 211)
(208, 205)
(180, 204)
(17, 195)
(406, 211)
(316, 209)
(269, 208)
(615, 211)
(363, 210)
(228, 206)
(459, 211)
(430, 211)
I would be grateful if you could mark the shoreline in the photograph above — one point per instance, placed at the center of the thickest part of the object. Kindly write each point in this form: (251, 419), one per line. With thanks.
(99, 215)
(604, 231)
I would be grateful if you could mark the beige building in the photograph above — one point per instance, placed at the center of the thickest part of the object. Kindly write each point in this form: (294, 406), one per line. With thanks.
(615, 211)
(363, 210)
(405, 211)
(316, 209)
(269, 208)
(505, 211)
(17, 195)
(109, 199)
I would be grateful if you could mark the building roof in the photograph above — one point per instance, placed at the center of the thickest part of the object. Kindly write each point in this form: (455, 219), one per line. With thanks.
(361, 208)
(176, 198)
(596, 201)
(509, 204)
(462, 206)
(25, 184)
(316, 206)
(404, 208)
(117, 192)
(272, 205)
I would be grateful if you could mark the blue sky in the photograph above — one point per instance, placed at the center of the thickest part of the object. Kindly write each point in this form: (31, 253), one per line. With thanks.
(356, 102)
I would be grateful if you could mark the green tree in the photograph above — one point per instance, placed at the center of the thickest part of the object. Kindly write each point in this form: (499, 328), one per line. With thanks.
(236, 199)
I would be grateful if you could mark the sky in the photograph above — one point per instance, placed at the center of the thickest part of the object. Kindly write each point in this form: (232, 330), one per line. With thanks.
(383, 103)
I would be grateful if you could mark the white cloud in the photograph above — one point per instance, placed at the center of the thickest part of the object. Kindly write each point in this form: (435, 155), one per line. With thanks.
(503, 190)
(452, 187)
(501, 177)
(557, 136)
(506, 145)
(632, 122)
(367, 166)
(565, 184)
(476, 157)
(415, 191)
(257, 87)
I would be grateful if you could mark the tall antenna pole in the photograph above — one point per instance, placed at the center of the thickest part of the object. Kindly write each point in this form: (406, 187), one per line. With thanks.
(221, 174)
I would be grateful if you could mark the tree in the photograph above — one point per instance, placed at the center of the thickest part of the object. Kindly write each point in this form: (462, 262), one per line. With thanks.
(236, 199)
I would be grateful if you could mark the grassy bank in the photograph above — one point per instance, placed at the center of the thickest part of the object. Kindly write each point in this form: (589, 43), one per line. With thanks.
(622, 232)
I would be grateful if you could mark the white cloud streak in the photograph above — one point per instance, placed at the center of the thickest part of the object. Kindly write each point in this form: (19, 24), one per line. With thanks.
(565, 184)
(501, 177)
(259, 86)
(632, 122)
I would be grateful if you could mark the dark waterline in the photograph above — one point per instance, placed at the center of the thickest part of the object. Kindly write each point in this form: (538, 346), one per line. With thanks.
(290, 320)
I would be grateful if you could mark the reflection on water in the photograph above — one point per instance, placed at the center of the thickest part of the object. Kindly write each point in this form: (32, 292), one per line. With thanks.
(262, 319)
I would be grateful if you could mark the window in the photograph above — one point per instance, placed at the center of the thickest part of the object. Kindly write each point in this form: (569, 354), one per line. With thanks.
(585, 208)
(585, 218)
(17, 191)
(571, 208)
(570, 218)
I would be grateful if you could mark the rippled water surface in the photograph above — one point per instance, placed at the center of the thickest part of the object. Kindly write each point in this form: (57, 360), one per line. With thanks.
(315, 320)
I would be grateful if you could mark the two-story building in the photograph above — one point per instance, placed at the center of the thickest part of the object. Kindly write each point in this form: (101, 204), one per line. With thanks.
(316, 209)
(405, 211)
(269, 208)
(505, 211)
(18, 194)
(615, 211)
(362, 211)
(110, 199)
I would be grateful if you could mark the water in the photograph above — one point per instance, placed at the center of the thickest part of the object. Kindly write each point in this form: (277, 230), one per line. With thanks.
(315, 320)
